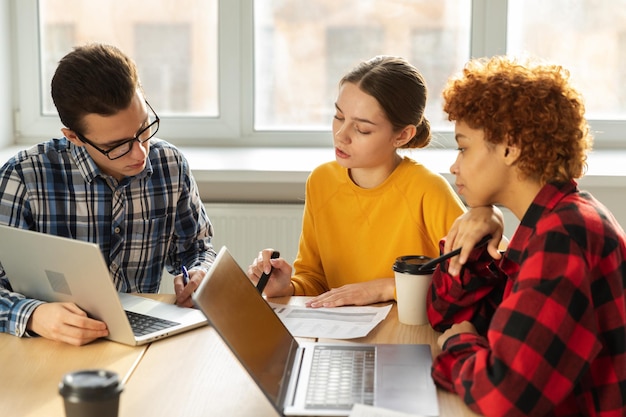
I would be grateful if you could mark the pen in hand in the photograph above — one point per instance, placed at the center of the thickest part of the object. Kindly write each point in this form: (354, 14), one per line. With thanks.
(432, 263)
(260, 286)
(185, 275)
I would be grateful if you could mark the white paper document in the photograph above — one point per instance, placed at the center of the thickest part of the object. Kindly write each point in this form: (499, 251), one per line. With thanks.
(330, 323)
(361, 410)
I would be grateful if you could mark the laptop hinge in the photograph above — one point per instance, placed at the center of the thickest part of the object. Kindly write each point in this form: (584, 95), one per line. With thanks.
(290, 379)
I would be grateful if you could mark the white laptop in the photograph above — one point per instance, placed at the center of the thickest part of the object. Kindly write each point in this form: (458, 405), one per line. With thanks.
(53, 268)
(291, 374)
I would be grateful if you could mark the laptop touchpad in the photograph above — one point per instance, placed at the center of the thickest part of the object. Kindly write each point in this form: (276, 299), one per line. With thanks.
(401, 378)
(403, 382)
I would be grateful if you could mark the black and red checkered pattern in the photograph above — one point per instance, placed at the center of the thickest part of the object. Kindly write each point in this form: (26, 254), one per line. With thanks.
(551, 315)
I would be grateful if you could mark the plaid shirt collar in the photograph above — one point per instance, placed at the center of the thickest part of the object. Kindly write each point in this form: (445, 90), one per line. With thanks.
(90, 170)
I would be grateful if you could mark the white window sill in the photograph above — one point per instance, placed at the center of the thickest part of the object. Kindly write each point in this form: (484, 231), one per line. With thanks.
(270, 174)
(279, 174)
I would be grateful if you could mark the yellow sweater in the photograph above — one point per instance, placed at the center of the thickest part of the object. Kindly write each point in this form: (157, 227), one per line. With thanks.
(351, 234)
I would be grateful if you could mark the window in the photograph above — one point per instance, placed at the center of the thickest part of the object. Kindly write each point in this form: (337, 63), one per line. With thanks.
(170, 82)
(591, 45)
(59, 40)
(174, 44)
(265, 72)
(303, 48)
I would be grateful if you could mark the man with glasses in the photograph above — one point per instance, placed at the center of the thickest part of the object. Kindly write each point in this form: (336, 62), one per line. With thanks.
(108, 181)
(123, 147)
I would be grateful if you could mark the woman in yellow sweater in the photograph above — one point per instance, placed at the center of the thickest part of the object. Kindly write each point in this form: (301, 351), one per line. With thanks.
(370, 205)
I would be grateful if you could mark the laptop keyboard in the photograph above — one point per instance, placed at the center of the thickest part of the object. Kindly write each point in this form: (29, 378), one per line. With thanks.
(143, 324)
(341, 377)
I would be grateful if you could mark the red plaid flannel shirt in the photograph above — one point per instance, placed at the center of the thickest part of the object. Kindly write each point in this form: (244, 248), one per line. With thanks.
(551, 315)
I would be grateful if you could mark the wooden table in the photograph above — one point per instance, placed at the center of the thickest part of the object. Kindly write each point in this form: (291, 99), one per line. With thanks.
(191, 374)
(31, 369)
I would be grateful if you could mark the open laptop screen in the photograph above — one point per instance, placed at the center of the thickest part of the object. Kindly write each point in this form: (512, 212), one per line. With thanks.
(246, 323)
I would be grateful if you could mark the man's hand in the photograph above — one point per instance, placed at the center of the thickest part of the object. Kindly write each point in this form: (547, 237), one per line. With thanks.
(183, 292)
(66, 322)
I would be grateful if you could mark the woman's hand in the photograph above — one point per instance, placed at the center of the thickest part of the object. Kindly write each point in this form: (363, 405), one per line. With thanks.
(469, 229)
(359, 294)
(457, 328)
(279, 283)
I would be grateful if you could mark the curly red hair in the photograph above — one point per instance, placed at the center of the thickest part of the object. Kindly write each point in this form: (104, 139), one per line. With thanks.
(528, 105)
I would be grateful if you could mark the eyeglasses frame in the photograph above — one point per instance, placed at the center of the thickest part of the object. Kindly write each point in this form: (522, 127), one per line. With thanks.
(156, 122)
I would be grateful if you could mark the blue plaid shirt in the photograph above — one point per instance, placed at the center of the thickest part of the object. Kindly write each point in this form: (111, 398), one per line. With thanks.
(143, 224)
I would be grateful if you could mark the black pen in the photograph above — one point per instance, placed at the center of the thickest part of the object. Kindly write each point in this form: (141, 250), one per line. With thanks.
(432, 263)
(260, 286)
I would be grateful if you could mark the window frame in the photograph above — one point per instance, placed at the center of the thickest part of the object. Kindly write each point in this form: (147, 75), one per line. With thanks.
(235, 124)
(32, 125)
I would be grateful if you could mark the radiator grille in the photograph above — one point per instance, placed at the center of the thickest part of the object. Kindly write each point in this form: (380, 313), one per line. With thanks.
(247, 228)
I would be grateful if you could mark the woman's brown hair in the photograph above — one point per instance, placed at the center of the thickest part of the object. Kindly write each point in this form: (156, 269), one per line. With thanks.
(400, 90)
(529, 105)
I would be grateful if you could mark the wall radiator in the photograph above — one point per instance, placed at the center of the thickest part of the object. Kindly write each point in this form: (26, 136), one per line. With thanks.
(246, 228)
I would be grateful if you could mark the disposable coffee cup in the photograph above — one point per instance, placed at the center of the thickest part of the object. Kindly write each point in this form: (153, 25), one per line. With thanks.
(91, 393)
(411, 288)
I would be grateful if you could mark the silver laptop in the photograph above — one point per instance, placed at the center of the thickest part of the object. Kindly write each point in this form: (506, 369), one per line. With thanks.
(307, 379)
(53, 268)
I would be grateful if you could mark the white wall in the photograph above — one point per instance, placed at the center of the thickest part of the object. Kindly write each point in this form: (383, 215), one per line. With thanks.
(6, 119)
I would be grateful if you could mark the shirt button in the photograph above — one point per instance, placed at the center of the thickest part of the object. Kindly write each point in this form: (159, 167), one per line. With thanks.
(117, 230)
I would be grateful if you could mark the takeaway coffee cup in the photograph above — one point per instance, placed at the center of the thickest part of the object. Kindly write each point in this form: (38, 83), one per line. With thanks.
(411, 288)
(91, 393)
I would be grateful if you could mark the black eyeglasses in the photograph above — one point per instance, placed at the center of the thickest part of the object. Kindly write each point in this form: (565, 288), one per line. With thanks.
(123, 148)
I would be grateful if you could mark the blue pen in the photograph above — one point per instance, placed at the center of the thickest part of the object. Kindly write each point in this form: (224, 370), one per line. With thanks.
(185, 275)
